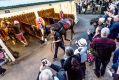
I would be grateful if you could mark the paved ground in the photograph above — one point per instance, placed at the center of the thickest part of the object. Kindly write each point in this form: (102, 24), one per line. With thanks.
(28, 68)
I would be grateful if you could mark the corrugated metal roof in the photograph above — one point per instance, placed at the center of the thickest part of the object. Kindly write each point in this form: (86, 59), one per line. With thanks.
(6, 4)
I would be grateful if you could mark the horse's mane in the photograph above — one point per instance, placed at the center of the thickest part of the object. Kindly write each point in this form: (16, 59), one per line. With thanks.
(70, 19)
(25, 24)
(53, 25)
(59, 23)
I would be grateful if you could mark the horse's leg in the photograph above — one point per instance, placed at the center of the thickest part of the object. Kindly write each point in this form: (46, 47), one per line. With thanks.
(42, 36)
(42, 31)
(5, 35)
(72, 32)
(46, 33)
(65, 36)
(12, 38)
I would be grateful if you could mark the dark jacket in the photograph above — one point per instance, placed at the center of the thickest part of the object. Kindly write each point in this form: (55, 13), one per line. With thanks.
(61, 75)
(114, 30)
(116, 56)
(103, 48)
(116, 60)
(60, 72)
(115, 67)
(72, 75)
(115, 76)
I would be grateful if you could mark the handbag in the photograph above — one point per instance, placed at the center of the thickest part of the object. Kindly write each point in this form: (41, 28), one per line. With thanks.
(90, 57)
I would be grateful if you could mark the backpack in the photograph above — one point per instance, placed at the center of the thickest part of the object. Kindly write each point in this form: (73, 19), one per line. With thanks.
(75, 63)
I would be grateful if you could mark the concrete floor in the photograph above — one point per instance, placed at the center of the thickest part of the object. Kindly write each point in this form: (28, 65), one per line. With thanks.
(28, 68)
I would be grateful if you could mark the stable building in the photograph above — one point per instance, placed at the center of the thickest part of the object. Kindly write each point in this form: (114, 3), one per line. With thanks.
(29, 6)
(24, 11)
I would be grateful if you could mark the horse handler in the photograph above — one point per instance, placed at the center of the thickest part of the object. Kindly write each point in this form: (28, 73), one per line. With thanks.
(19, 33)
(58, 41)
(40, 23)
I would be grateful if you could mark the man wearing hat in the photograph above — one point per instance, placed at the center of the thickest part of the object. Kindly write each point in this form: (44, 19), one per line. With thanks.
(103, 48)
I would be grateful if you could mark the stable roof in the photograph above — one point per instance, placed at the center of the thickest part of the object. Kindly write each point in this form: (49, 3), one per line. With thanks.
(7, 4)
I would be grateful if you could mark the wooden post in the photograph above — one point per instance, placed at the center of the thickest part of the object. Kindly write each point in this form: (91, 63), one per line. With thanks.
(36, 13)
(74, 11)
(7, 51)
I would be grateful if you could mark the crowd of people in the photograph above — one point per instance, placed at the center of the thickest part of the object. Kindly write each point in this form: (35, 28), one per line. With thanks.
(94, 6)
(103, 42)
(74, 62)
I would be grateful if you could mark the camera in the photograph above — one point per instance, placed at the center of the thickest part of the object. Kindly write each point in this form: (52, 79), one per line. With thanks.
(44, 61)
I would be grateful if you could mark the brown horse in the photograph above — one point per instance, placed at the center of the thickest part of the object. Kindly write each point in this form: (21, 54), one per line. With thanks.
(62, 26)
(27, 29)
(33, 31)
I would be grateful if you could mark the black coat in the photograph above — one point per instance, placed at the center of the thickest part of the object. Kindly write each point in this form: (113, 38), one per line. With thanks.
(115, 76)
(60, 72)
(72, 75)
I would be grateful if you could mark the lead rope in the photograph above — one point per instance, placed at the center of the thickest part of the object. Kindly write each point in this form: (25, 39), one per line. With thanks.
(52, 47)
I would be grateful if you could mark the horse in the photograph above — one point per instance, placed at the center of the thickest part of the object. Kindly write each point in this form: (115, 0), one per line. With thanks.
(62, 26)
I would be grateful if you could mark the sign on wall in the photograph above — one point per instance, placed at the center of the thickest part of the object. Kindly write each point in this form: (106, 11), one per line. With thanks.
(7, 11)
